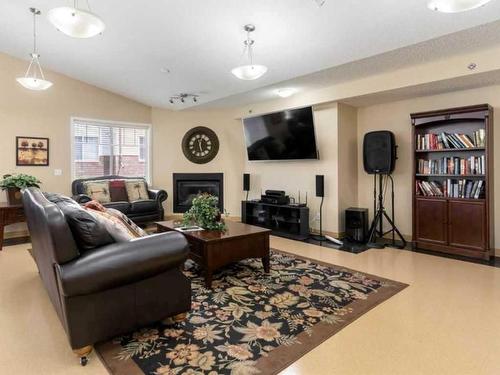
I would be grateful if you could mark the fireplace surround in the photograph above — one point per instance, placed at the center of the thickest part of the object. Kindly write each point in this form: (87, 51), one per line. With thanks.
(186, 186)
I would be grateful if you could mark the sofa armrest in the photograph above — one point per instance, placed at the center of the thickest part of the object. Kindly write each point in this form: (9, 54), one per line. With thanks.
(81, 198)
(158, 195)
(122, 263)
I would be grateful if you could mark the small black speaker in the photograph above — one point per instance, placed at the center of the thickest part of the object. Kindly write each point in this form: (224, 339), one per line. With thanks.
(320, 186)
(379, 152)
(246, 182)
(356, 224)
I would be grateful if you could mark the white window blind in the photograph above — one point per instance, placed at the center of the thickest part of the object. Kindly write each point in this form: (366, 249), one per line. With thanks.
(105, 148)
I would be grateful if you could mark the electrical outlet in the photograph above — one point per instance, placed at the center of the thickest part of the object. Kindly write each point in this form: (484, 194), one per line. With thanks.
(57, 172)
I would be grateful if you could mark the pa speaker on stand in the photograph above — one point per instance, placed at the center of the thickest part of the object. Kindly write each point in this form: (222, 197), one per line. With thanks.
(379, 159)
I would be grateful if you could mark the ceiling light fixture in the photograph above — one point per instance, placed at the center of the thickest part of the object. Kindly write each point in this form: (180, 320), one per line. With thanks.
(250, 71)
(34, 78)
(286, 92)
(320, 2)
(455, 6)
(182, 98)
(76, 22)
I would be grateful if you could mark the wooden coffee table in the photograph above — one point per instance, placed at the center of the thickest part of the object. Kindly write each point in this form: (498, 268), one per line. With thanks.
(214, 249)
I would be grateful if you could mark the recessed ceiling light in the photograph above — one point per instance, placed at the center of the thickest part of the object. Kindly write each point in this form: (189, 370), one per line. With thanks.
(455, 6)
(286, 92)
(165, 70)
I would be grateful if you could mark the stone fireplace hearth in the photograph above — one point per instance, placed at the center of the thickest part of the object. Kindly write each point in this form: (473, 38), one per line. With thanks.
(186, 186)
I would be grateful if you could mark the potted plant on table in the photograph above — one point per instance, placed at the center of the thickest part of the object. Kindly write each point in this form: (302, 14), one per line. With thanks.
(13, 183)
(205, 213)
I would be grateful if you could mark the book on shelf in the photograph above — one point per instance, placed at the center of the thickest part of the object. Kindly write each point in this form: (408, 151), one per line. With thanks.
(473, 165)
(444, 141)
(450, 188)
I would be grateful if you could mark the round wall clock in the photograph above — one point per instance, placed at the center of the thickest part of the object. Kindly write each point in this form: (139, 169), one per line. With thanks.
(200, 145)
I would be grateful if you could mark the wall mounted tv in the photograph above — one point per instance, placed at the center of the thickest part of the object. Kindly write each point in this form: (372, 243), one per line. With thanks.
(286, 135)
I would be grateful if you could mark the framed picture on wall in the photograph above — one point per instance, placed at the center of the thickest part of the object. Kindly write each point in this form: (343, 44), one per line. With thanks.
(32, 151)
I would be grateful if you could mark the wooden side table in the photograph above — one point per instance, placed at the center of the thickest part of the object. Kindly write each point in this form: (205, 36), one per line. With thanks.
(9, 214)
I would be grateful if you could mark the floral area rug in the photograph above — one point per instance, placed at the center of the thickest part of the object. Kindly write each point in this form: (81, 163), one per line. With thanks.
(251, 323)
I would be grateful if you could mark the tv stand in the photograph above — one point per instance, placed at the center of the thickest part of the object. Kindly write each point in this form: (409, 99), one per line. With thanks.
(289, 221)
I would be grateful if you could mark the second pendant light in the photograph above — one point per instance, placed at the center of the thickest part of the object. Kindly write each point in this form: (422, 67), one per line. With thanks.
(250, 71)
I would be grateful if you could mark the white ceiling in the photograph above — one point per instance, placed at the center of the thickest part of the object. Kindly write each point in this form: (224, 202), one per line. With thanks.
(201, 40)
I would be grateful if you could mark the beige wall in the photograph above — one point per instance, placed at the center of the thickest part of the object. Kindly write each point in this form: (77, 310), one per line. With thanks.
(292, 176)
(348, 161)
(47, 114)
(395, 117)
(169, 128)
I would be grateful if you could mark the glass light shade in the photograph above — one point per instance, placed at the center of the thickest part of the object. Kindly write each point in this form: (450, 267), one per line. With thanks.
(286, 92)
(32, 83)
(76, 23)
(455, 6)
(249, 72)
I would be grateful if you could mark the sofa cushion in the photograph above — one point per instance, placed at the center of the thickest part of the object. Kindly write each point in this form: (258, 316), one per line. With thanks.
(119, 226)
(118, 191)
(143, 206)
(120, 206)
(136, 190)
(98, 190)
(88, 232)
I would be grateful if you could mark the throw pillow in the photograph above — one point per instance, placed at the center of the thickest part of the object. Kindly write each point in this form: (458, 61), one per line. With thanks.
(136, 190)
(98, 190)
(94, 205)
(121, 228)
(87, 231)
(118, 191)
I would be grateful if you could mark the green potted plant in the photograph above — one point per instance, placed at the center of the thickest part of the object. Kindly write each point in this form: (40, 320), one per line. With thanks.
(205, 213)
(13, 183)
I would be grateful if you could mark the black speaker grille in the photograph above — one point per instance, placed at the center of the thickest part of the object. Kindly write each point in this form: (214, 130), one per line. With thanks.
(379, 152)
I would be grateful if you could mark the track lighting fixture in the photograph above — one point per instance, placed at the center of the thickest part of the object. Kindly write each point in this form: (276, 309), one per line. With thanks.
(182, 98)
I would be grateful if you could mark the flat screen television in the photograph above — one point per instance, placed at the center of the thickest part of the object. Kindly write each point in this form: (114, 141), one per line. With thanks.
(286, 135)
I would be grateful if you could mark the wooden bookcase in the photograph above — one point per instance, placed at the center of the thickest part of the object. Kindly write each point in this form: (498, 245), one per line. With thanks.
(454, 225)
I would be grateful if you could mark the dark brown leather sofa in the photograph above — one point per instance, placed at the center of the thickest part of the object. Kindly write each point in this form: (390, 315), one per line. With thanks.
(107, 291)
(140, 211)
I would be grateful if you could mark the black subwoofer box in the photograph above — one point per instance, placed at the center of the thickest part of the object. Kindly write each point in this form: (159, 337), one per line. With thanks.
(356, 224)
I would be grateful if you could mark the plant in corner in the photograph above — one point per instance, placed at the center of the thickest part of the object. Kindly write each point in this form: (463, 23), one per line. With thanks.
(14, 183)
(205, 213)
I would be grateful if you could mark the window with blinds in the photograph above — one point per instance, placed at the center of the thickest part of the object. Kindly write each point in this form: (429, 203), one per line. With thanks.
(102, 148)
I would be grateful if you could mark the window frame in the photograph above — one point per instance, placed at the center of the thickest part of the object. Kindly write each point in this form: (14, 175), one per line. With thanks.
(116, 124)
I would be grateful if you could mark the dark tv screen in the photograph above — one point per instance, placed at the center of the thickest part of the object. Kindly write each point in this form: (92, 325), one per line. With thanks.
(287, 135)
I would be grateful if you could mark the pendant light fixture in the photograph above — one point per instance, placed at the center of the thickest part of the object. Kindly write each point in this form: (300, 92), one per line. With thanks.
(76, 22)
(455, 6)
(34, 78)
(251, 71)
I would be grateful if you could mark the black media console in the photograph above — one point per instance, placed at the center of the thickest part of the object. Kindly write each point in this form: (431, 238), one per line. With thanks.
(284, 220)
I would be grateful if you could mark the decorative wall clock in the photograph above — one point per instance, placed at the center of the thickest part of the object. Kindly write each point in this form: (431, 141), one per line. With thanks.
(200, 145)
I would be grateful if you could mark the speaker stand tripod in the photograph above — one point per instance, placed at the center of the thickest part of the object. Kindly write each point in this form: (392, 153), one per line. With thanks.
(377, 226)
(320, 237)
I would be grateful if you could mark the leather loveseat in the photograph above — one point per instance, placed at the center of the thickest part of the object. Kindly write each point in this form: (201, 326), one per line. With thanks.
(109, 290)
(141, 211)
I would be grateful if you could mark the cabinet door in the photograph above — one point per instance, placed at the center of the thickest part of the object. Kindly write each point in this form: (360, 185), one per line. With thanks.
(431, 220)
(467, 224)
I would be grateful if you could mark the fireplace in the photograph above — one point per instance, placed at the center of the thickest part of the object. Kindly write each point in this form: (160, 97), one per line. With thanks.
(187, 186)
